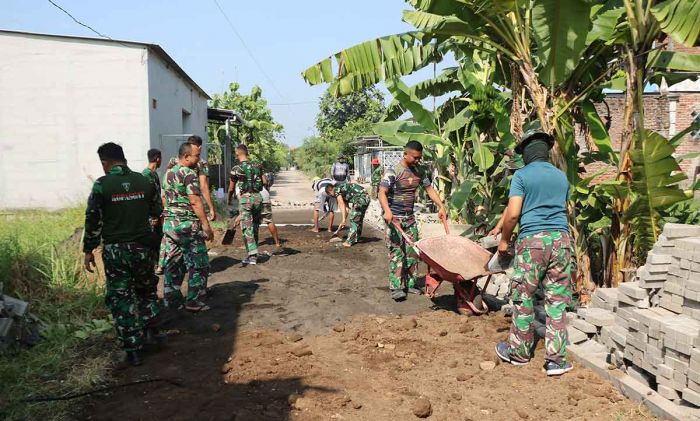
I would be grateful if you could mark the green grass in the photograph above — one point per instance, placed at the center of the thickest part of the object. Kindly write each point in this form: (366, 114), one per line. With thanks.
(40, 262)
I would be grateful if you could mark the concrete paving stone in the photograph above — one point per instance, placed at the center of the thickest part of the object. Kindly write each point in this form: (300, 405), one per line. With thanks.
(570, 316)
(669, 305)
(668, 392)
(676, 364)
(664, 370)
(658, 249)
(633, 388)
(666, 409)
(643, 303)
(581, 311)
(679, 253)
(693, 375)
(696, 256)
(691, 295)
(634, 343)
(632, 290)
(598, 302)
(592, 355)
(634, 324)
(688, 243)
(653, 351)
(584, 326)
(648, 277)
(695, 267)
(600, 317)
(684, 264)
(659, 259)
(576, 336)
(619, 321)
(693, 385)
(604, 336)
(624, 311)
(619, 335)
(673, 286)
(691, 284)
(672, 231)
(680, 380)
(676, 271)
(652, 284)
(654, 343)
(656, 269)
(608, 295)
(691, 396)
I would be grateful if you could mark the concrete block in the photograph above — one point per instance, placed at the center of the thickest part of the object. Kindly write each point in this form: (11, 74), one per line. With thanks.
(668, 304)
(632, 290)
(691, 396)
(598, 302)
(570, 316)
(656, 269)
(576, 336)
(663, 370)
(691, 284)
(643, 303)
(684, 264)
(676, 364)
(688, 243)
(584, 326)
(609, 295)
(646, 276)
(633, 388)
(676, 271)
(680, 380)
(668, 393)
(658, 249)
(619, 335)
(619, 321)
(693, 385)
(592, 355)
(600, 317)
(673, 231)
(624, 311)
(659, 259)
(665, 409)
(679, 253)
(581, 311)
(673, 286)
(693, 376)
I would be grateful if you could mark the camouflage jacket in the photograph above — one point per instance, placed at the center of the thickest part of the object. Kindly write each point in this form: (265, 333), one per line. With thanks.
(153, 176)
(376, 176)
(248, 176)
(119, 208)
(180, 182)
(202, 167)
(352, 193)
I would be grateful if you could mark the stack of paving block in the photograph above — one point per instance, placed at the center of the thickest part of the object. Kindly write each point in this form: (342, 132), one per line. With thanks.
(650, 327)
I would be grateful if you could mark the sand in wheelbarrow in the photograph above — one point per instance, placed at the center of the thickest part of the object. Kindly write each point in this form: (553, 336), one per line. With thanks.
(457, 255)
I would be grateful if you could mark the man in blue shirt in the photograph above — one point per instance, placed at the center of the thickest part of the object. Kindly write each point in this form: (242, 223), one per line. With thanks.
(544, 254)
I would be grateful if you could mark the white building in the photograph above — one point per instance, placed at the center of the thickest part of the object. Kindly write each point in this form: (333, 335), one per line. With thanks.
(63, 96)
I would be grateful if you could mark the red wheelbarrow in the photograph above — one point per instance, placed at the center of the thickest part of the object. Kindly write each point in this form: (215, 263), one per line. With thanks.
(455, 259)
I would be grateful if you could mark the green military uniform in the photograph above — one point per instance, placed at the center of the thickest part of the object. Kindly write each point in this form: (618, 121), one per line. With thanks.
(183, 242)
(118, 213)
(376, 178)
(248, 176)
(401, 184)
(357, 200)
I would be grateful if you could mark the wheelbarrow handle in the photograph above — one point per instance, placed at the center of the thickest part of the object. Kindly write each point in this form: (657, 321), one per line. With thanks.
(444, 223)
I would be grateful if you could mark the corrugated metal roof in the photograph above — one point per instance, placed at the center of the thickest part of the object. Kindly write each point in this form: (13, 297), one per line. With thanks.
(153, 47)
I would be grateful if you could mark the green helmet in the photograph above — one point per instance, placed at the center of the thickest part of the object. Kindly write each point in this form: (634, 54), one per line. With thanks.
(531, 135)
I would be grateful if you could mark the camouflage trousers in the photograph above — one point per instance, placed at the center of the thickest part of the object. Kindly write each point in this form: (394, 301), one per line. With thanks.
(357, 218)
(545, 258)
(403, 259)
(185, 252)
(131, 290)
(250, 207)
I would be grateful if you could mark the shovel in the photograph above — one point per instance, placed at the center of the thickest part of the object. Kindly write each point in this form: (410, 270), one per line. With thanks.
(334, 237)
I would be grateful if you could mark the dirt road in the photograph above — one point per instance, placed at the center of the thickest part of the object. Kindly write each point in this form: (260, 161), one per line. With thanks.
(310, 333)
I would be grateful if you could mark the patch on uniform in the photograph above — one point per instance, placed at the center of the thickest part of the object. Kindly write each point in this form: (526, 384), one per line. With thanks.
(126, 186)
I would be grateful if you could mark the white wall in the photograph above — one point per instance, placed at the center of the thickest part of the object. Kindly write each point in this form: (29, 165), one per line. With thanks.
(59, 100)
(173, 96)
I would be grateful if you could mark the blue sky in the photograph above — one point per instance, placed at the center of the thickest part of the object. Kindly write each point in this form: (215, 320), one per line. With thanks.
(285, 37)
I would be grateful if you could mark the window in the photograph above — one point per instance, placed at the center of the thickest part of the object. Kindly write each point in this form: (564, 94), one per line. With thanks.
(186, 123)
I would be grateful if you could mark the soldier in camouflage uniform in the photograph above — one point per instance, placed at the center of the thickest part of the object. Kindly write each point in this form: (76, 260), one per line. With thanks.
(117, 214)
(202, 171)
(249, 177)
(353, 196)
(397, 195)
(544, 255)
(185, 230)
(376, 177)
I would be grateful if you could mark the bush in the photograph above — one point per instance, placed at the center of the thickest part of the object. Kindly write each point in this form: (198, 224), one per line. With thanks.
(40, 262)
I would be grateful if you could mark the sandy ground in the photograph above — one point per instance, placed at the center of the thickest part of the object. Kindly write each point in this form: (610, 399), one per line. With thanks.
(311, 334)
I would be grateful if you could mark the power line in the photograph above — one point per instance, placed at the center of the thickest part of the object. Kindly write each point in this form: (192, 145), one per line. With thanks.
(293, 103)
(248, 50)
(79, 22)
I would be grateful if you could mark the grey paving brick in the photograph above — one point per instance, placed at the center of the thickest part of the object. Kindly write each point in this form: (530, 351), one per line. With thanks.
(691, 396)
(688, 244)
(576, 336)
(664, 370)
(584, 326)
(659, 259)
(672, 231)
(600, 317)
(632, 290)
(668, 393)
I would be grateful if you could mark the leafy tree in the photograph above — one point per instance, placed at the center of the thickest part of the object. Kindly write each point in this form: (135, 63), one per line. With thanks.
(339, 122)
(260, 132)
(337, 112)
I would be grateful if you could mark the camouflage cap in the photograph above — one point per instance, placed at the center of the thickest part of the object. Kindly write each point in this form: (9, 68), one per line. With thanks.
(531, 135)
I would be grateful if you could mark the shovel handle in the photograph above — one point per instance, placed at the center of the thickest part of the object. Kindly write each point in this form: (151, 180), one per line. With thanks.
(405, 236)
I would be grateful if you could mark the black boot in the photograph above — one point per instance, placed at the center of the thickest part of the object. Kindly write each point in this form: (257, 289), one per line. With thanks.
(133, 358)
(154, 336)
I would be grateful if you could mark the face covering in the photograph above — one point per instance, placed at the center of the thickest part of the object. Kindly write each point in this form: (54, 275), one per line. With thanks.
(536, 150)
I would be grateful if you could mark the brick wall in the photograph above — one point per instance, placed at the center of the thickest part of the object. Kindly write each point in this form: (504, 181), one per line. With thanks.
(658, 112)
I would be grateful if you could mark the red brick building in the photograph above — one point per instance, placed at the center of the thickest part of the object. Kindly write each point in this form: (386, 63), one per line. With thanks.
(668, 111)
